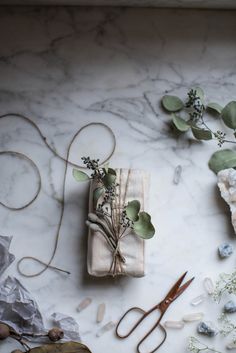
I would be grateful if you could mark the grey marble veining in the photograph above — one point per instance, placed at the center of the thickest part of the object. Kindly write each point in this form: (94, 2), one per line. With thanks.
(215, 4)
(66, 67)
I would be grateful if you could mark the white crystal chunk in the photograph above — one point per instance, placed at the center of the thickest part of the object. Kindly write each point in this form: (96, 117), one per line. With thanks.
(198, 300)
(84, 304)
(208, 285)
(109, 326)
(101, 312)
(174, 324)
(193, 317)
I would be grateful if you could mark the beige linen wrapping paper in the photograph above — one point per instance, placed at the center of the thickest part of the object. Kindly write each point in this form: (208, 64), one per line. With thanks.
(133, 185)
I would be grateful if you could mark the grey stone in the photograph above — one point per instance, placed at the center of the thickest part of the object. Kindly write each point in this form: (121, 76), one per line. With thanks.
(225, 250)
(230, 307)
(207, 328)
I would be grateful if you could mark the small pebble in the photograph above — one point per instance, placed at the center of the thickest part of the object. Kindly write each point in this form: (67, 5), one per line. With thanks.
(101, 312)
(177, 174)
(207, 328)
(193, 317)
(83, 305)
(174, 324)
(109, 326)
(230, 307)
(208, 285)
(198, 300)
(231, 345)
(225, 250)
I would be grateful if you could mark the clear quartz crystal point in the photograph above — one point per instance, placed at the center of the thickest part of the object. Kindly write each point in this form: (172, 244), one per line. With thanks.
(177, 174)
(198, 300)
(109, 326)
(193, 317)
(83, 305)
(101, 312)
(174, 324)
(208, 285)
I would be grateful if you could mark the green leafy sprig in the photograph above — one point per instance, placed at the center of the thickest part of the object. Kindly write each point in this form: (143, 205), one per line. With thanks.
(103, 199)
(192, 118)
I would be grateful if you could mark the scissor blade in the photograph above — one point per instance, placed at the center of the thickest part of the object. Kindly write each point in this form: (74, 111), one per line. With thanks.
(174, 290)
(183, 288)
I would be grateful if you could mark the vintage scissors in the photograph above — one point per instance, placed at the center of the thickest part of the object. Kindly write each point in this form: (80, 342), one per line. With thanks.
(173, 294)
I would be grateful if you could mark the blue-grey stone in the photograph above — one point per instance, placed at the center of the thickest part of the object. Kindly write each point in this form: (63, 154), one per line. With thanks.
(207, 328)
(225, 250)
(230, 307)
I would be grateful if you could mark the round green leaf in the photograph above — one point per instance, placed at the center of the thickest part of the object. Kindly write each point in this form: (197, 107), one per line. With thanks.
(201, 134)
(215, 107)
(108, 179)
(229, 115)
(97, 193)
(172, 103)
(79, 175)
(143, 227)
(222, 159)
(132, 210)
(180, 123)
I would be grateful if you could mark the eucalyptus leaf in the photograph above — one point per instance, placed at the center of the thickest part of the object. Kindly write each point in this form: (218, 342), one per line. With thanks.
(200, 93)
(108, 179)
(215, 107)
(105, 167)
(97, 193)
(132, 210)
(143, 227)
(201, 134)
(79, 175)
(222, 159)
(172, 103)
(229, 115)
(111, 171)
(68, 347)
(180, 123)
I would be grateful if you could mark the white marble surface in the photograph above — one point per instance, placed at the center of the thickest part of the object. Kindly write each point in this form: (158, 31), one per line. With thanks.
(67, 67)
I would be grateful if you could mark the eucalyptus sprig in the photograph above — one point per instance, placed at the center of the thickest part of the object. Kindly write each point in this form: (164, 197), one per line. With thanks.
(103, 201)
(192, 118)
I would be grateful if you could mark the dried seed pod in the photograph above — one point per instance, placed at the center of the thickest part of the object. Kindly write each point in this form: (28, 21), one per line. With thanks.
(17, 351)
(55, 334)
(4, 331)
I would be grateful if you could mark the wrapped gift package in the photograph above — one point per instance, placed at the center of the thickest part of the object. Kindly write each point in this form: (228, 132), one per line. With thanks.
(132, 185)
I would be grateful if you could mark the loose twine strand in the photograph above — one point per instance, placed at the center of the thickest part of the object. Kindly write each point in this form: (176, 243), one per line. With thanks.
(67, 162)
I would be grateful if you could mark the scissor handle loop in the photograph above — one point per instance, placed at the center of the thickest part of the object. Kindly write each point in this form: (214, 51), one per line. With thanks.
(148, 334)
(135, 308)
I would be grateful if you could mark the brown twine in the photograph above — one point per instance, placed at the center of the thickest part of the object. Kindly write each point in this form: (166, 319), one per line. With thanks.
(67, 162)
(116, 255)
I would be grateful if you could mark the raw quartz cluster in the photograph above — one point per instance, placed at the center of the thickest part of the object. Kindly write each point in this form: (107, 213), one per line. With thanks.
(227, 186)
(20, 311)
(6, 258)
